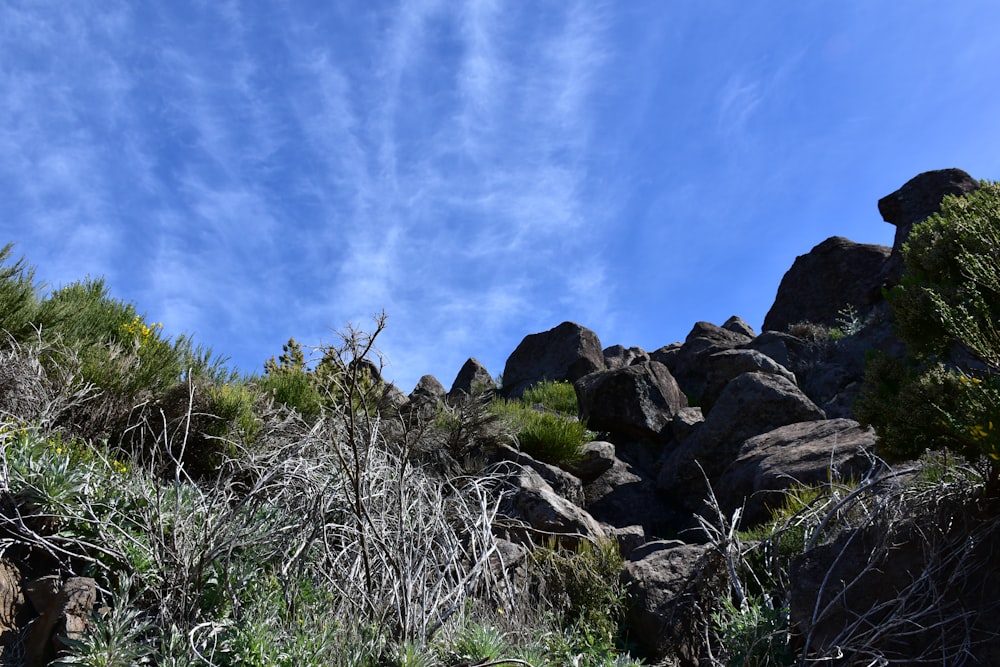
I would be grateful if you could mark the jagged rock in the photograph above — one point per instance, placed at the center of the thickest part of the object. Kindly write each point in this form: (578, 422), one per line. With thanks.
(685, 422)
(638, 401)
(803, 453)
(428, 389)
(629, 538)
(567, 352)
(687, 364)
(533, 501)
(721, 367)
(564, 483)
(471, 379)
(832, 276)
(738, 325)
(65, 610)
(626, 495)
(674, 588)
(619, 356)
(422, 403)
(667, 355)
(393, 399)
(790, 351)
(595, 457)
(751, 404)
(918, 199)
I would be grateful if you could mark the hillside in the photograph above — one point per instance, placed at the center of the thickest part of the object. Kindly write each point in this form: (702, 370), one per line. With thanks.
(824, 490)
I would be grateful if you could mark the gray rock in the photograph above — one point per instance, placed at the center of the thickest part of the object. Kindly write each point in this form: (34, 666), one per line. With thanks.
(566, 352)
(804, 453)
(619, 356)
(428, 389)
(638, 401)
(687, 364)
(674, 588)
(721, 367)
(473, 378)
(751, 404)
(564, 483)
(595, 457)
(422, 402)
(918, 199)
(737, 325)
(544, 512)
(835, 274)
(685, 422)
(625, 495)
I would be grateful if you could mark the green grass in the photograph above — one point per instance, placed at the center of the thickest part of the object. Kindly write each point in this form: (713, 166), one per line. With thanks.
(557, 396)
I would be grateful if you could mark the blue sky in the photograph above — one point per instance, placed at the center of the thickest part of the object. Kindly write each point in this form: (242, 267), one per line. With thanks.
(479, 169)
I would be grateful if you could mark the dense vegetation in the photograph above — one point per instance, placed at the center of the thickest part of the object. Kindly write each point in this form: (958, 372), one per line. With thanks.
(286, 519)
(946, 393)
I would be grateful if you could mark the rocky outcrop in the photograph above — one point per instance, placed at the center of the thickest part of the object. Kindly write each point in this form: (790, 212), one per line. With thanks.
(918, 199)
(686, 362)
(721, 367)
(751, 404)
(545, 514)
(832, 276)
(798, 454)
(566, 352)
(638, 401)
(674, 588)
(619, 356)
(626, 495)
(472, 379)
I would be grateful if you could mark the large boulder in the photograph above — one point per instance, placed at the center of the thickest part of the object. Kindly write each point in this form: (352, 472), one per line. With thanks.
(721, 367)
(686, 363)
(567, 485)
(619, 356)
(918, 199)
(567, 352)
(797, 454)
(674, 588)
(639, 400)
(832, 276)
(626, 495)
(544, 513)
(751, 404)
(473, 378)
(422, 403)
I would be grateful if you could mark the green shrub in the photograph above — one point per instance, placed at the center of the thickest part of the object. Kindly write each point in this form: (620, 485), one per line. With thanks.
(753, 635)
(18, 296)
(557, 396)
(947, 309)
(547, 436)
(585, 586)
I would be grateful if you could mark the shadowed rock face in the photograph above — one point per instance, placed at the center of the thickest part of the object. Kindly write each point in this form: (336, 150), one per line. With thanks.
(918, 199)
(567, 352)
(833, 275)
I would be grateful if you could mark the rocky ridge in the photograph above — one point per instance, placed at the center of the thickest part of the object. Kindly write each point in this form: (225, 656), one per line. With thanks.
(744, 413)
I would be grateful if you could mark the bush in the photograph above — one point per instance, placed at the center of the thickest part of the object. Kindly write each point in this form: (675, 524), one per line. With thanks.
(18, 296)
(557, 396)
(546, 436)
(947, 309)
